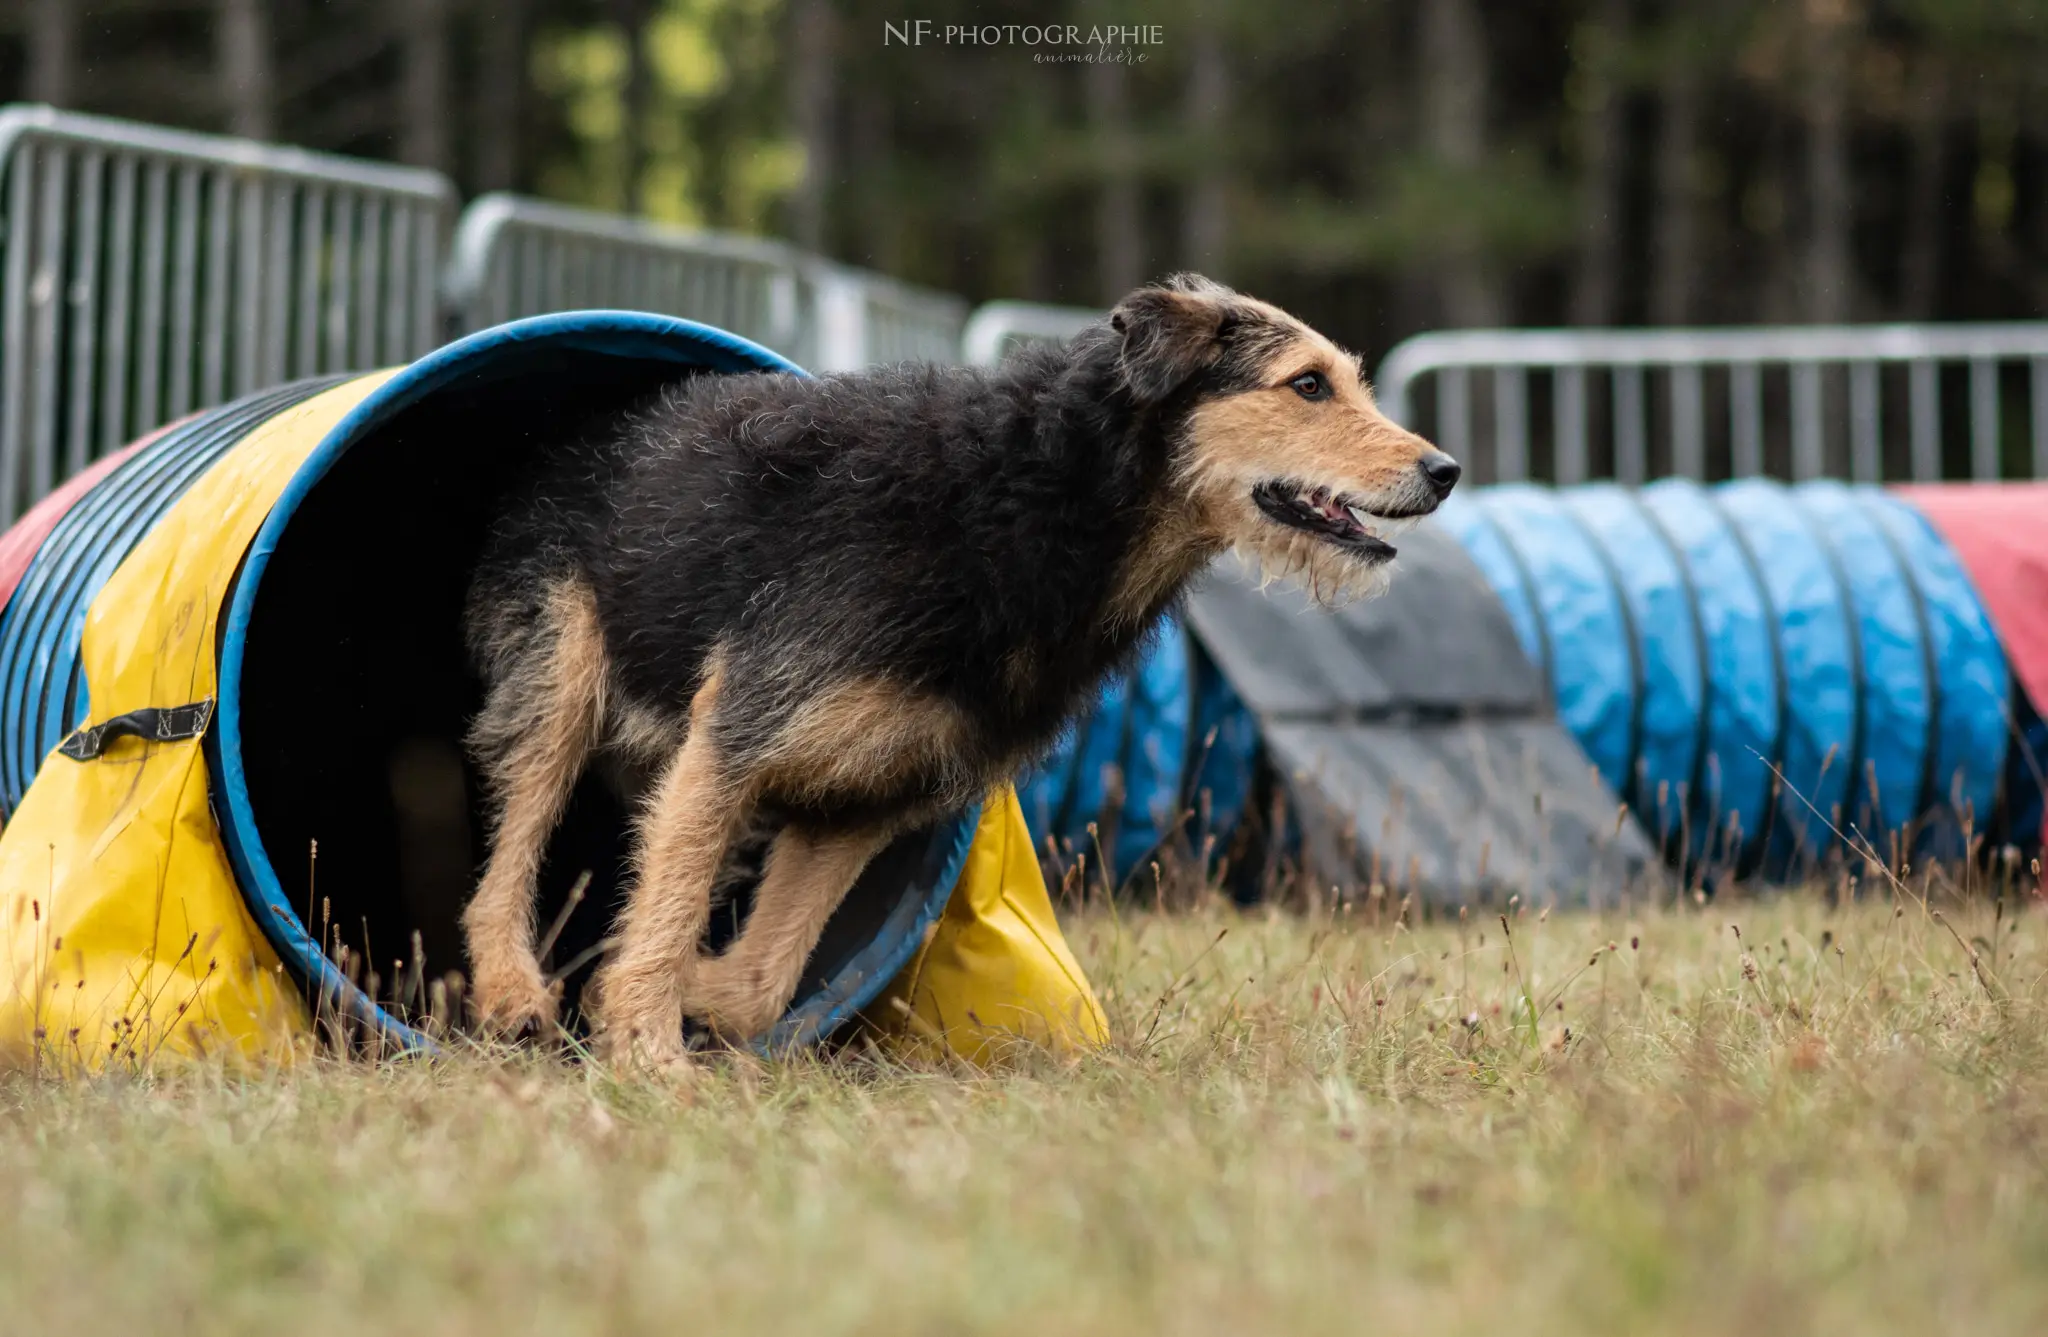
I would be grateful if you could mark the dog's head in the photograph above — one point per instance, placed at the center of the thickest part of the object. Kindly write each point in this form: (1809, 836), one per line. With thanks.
(1278, 449)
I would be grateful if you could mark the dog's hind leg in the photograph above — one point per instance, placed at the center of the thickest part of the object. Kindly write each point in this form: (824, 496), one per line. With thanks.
(742, 992)
(864, 739)
(533, 737)
(686, 826)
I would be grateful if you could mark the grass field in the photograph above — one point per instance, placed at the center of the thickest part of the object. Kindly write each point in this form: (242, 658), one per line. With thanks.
(1836, 1121)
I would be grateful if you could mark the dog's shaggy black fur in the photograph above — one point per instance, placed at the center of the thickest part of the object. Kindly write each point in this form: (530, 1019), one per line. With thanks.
(959, 530)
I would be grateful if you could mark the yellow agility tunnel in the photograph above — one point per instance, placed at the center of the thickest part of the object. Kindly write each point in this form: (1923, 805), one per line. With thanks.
(232, 694)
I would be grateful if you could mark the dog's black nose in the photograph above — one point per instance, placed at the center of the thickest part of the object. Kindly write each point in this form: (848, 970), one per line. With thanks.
(1442, 471)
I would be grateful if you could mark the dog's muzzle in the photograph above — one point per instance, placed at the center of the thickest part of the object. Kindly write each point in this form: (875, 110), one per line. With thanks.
(1334, 517)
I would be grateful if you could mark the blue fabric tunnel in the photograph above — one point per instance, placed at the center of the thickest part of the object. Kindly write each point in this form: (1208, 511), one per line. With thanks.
(1166, 754)
(1759, 669)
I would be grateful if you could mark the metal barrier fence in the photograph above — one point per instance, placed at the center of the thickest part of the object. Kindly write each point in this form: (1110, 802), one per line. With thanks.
(865, 318)
(1871, 403)
(997, 327)
(146, 273)
(521, 257)
(1864, 402)
(517, 257)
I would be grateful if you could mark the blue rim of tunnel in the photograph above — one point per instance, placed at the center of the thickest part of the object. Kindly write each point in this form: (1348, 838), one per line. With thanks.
(685, 343)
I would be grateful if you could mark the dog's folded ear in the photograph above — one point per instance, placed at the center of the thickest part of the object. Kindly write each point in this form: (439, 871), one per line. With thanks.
(1169, 333)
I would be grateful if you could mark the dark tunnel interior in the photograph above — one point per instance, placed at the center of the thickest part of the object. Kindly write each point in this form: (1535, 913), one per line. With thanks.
(357, 691)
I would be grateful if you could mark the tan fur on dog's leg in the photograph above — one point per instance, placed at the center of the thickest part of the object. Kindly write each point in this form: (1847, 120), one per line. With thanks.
(742, 993)
(537, 731)
(685, 829)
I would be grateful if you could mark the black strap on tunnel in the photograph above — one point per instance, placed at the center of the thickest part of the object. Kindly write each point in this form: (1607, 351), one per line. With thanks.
(1755, 842)
(108, 521)
(158, 724)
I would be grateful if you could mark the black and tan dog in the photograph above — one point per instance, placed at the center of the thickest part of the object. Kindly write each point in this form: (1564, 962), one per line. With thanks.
(852, 604)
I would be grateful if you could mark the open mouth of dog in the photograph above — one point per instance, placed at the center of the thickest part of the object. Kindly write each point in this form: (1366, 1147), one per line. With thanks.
(1336, 518)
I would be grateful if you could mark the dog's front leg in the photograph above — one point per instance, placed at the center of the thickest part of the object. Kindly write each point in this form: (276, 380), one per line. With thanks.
(743, 992)
(532, 739)
(685, 828)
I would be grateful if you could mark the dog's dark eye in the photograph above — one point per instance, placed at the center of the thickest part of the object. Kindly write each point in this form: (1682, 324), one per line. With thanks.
(1311, 385)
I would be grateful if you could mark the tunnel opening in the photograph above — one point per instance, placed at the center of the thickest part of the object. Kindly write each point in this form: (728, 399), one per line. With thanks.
(358, 822)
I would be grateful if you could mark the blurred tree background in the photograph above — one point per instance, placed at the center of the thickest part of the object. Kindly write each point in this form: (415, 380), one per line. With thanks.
(1380, 165)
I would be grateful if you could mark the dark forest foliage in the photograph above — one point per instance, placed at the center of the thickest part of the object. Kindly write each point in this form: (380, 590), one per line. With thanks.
(1382, 165)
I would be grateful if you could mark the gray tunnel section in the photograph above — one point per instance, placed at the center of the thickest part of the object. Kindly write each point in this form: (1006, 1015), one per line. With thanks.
(1416, 741)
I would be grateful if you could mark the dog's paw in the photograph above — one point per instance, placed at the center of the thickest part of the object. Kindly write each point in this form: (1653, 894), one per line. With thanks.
(513, 1000)
(657, 1050)
(734, 1001)
(634, 1025)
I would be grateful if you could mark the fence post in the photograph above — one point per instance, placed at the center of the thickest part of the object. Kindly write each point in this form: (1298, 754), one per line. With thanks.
(842, 321)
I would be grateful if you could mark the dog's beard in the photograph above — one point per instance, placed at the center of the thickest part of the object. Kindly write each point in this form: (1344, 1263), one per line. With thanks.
(1329, 576)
